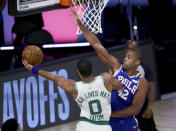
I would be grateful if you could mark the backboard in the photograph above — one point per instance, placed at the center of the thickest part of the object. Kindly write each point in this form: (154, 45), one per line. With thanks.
(28, 7)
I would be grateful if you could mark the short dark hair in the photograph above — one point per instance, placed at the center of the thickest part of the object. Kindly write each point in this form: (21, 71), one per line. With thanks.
(85, 67)
(132, 45)
(138, 53)
(10, 125)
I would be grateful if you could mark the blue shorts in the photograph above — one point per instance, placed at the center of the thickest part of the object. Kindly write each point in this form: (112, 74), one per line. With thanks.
(118, 124)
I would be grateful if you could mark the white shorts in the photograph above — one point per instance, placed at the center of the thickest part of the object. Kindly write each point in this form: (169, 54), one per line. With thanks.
(87, 126)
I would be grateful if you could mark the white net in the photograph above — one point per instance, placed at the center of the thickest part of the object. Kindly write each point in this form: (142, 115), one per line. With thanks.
(89, 11)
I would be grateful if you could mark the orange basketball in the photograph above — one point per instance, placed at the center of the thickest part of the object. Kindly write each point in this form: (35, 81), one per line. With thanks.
(33, 55)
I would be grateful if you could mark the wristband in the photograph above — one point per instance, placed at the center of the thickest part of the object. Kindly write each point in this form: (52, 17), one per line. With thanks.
(35, 70)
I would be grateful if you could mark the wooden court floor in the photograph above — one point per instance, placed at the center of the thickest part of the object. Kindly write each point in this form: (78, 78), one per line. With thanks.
(164, 115)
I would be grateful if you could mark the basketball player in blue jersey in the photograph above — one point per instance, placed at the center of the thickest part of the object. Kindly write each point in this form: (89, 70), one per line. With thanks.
(92, 94)
(127, 102)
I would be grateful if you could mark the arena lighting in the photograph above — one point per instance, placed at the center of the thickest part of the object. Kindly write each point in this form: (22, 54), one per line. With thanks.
(52, 46)
(135, 27)
(7, 48)
(66, 45)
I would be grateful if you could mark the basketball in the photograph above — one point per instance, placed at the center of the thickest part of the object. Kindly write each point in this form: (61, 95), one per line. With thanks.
(33, 55)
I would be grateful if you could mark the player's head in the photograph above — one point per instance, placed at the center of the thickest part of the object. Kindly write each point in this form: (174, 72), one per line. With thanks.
(11, 125)
(133, 56)
(84, 68)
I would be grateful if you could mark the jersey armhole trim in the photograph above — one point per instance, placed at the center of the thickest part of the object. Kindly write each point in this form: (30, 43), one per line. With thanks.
(117, 71)
(138, 87)
(76, 87)
(104, 83)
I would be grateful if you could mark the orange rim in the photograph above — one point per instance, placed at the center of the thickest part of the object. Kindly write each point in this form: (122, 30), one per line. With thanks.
(66, 2)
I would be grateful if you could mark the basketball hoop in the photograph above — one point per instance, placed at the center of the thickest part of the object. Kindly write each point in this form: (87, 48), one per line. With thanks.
(89, 12)
(66, 3)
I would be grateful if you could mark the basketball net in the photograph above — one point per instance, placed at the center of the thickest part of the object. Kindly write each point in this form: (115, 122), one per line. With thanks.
(89, 12)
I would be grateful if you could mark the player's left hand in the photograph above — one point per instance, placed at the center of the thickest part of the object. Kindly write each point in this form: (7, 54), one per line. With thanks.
(27, 65)
(147, 113)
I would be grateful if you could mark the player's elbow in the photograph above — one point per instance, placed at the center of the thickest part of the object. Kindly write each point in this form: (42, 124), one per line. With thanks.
(136, 110)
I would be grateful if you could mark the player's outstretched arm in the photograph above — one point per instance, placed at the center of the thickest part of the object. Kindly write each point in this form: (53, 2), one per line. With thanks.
(67, 85)
(137, 102)
(103, 54)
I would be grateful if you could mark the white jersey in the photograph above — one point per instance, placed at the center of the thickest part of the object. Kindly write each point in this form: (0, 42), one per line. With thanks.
(94, 101)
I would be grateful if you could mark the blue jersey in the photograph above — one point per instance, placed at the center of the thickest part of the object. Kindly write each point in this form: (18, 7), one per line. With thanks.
(123, 99)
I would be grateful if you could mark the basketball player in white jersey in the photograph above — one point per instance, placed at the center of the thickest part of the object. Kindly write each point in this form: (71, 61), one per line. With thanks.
(127, 102)
(92, 94)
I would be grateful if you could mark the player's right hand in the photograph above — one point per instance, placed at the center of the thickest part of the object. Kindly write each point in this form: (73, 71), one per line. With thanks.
(27, 65)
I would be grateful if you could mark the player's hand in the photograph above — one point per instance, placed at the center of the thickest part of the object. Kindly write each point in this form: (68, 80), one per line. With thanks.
(131, 44)
(75, 16)
(147, 113)
(27, 65)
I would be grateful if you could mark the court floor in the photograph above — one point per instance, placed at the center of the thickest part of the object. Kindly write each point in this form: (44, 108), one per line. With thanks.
(164, 115)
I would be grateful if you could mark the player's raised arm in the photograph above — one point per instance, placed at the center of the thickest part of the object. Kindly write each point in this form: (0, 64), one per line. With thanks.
(67, 85)
(107, 58)
(137, 102)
